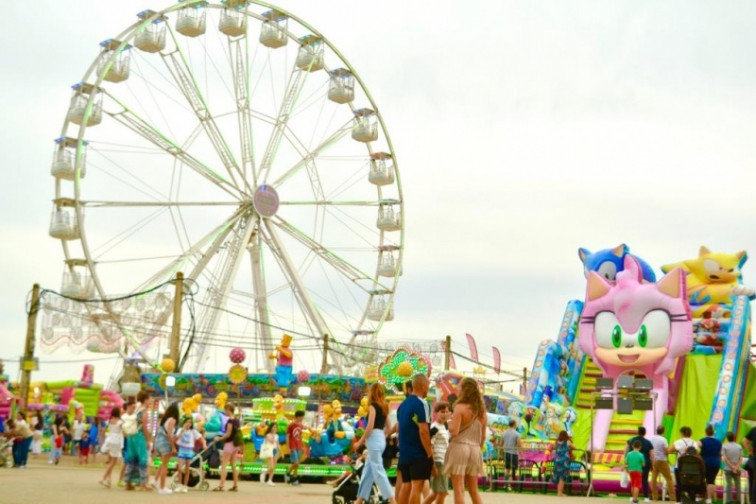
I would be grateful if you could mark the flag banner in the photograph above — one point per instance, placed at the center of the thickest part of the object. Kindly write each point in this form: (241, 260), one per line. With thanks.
(497, 360)
(473, 347)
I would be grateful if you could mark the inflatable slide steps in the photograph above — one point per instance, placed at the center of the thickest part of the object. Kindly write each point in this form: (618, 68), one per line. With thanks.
(587, 385)
(622, 428)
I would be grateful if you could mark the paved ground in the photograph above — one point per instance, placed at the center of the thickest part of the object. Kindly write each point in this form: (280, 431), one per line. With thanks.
(41, 483)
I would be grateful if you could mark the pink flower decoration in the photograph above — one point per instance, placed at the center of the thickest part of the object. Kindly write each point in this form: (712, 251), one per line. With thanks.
(303, 376)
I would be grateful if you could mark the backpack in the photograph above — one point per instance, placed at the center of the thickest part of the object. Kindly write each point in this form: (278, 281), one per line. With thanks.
(236, 435)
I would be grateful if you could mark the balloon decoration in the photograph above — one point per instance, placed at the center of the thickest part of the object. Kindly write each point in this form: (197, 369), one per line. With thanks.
(167, 365)
(402, 365)
(191, 404)
(237, 355)
(303, 376)
(237, 374)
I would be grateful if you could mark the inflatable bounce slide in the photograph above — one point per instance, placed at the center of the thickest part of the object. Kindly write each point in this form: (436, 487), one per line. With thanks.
(689, 333)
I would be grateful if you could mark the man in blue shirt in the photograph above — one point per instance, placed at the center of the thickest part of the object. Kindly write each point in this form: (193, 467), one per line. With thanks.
(415, 452)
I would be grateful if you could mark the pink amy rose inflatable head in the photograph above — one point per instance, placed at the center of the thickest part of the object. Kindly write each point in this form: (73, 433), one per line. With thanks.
(636, 325)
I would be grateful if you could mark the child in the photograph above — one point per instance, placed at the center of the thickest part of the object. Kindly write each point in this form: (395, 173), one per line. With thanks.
(439, 442)
(165, 446)
(84, 444)
(56, 448)
(113, 444)
(359, 462)
(78, 432)
(269, 451)
(186, 438)
(634, 462)
(94, 438)
(294, 440)
(128, 428)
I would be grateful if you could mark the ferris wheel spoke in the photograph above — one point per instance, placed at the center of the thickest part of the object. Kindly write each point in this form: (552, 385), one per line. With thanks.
(217, 295)
(366, 203)
(123, 204)
(216, 237)
(296, 81)
(239, 69)
(297, 286)
(177, 66)
(136, 124)
(338, 263)
(314, 153)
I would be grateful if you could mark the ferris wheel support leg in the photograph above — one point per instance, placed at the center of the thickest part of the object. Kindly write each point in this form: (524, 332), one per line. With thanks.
(298, 288)
(217, 297)
(261, 300)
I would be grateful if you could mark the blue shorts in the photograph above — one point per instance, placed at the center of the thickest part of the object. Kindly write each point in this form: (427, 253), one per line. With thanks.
(185, 453)
(295, 456)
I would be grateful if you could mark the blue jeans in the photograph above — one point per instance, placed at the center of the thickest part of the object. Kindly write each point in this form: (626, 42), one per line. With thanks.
(21, 452)
(374, 471)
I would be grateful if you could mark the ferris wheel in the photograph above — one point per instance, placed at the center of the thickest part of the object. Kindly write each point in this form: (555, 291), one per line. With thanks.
(234, 143)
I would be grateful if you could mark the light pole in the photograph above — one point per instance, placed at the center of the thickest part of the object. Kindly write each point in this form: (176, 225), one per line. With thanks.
(170, 381)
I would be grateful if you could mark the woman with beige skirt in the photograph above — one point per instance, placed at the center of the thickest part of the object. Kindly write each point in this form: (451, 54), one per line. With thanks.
(464, 458)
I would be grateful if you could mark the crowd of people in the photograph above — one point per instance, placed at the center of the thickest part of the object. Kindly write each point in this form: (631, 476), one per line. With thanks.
(436, 452)
(707, 456)
(432, 453)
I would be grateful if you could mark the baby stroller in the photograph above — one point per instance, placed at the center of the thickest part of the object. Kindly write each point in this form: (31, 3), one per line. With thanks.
(6, 452)
(691, 477)
(346, 492)
(197, 479)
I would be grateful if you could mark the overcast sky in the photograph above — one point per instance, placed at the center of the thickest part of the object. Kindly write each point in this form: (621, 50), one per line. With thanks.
(523, 130)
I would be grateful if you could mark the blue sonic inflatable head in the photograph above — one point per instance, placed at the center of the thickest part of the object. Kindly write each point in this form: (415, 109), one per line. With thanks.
(609, 262)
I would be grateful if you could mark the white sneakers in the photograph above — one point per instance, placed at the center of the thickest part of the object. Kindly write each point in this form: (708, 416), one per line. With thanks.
(164, 491)
(270, 482)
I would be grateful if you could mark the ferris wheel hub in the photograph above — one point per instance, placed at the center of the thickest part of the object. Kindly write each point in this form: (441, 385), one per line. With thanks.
(265, 201)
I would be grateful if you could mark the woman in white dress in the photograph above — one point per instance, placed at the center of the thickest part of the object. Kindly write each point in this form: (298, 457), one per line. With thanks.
(38, 426)
(113, 445)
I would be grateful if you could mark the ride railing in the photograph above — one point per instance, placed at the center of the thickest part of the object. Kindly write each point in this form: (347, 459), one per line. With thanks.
(535, 470)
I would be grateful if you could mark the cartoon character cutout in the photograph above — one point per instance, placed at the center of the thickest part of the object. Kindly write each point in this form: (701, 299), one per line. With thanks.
(608, 262)
(553, 425)
(569, 419)
(515, 411)
(712, 279)
(284, 357)
(643, 326)
(636, 327)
